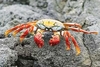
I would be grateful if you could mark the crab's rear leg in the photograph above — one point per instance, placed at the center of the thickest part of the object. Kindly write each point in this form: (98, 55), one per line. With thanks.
(38, 38)
(68, 36)
(20, 28)
(12, 29)
(76, 25)
(84, 31)
(27, 31)
(55, 39)
(30, 26)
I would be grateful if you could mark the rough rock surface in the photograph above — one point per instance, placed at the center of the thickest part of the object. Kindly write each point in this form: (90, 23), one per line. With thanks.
(27, 54)
(7, 56)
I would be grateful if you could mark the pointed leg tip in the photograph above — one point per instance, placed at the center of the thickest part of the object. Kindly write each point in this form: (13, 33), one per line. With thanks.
(78, 53)
(6, 34)
(21, 39)
(67, 48)
(14, 34)
(96, 33)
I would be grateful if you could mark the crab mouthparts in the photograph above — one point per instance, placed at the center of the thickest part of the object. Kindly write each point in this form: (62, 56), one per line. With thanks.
(47, 34)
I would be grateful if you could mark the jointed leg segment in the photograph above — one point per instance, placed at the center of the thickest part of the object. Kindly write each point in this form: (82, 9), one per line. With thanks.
(68, 36)
(12, 29)
(20, 27)
(84, 31)
(76, 28)
(55, 37)
(72, 24)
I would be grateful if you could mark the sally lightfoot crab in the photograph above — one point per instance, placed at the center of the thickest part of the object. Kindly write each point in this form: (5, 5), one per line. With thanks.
(56, 27)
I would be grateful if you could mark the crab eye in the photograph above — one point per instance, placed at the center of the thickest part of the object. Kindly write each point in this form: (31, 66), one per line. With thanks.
(46, 29)
(50, 29)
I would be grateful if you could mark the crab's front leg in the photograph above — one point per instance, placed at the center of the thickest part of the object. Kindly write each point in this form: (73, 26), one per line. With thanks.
(68, 36)
(38, 39)
(55, 39)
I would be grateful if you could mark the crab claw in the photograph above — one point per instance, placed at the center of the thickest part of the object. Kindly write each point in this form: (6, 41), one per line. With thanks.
(54, 40)
(38, 40)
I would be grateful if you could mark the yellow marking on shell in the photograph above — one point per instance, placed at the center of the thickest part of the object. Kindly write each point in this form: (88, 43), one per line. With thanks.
(48, 23)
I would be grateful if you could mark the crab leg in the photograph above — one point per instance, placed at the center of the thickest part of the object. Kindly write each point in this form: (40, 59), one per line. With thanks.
(72, 24)
(26, 33)
(12, 29)
(20, 28)
(23, 35)
(84, 31)
(54, 40)
(76, 45)
(31, 29)
(66, 33)
(38, 39)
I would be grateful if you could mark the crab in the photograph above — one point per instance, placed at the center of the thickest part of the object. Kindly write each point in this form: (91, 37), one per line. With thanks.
(50, 25)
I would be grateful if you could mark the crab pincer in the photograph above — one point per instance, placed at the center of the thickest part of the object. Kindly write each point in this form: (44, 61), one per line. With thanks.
(38, 39)
(54, 40)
